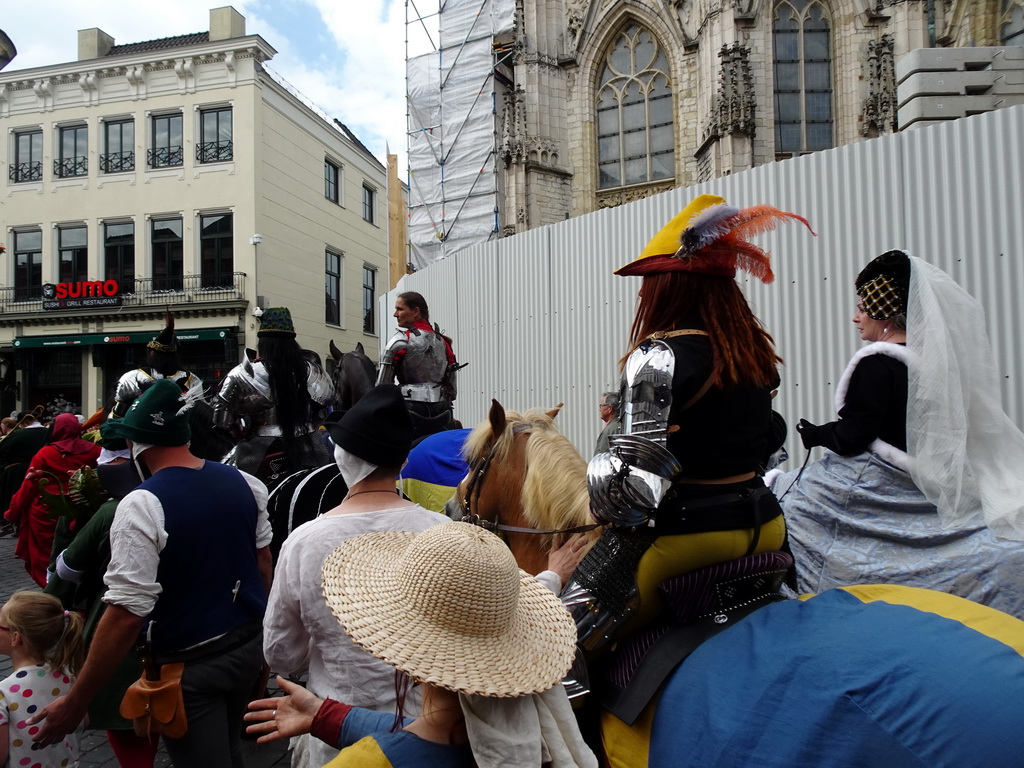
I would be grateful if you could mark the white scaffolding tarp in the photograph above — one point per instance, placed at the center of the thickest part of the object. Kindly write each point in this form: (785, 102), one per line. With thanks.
(453, 194)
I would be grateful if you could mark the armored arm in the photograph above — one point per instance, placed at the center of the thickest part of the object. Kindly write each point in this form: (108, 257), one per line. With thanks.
(236, 399)
(129, 387)
(399, 341)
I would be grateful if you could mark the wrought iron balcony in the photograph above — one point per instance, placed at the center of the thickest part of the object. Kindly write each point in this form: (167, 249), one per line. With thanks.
(214, 151)
(166, 157)
(32, 171)
(117, 162)
(145, 291)
(69, 167)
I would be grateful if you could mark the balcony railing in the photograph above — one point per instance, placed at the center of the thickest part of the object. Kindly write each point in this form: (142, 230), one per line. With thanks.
(32, 171)
(68, 167)
(146, 291)
(116, 162)
(214, 151)
(166, 157)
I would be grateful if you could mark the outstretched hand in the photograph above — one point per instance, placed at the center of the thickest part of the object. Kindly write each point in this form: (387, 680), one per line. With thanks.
(565, 558)
(282, 717)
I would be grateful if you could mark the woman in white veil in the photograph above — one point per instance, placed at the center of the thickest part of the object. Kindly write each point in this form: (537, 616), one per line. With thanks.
(946, 512)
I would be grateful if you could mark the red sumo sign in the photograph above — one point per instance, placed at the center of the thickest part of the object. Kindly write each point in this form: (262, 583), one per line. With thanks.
(82, 295)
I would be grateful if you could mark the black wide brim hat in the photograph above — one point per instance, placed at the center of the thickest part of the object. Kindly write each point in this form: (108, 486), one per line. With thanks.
(377, 429)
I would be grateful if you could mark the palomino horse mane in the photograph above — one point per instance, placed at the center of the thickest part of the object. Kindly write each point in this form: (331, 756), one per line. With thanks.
(552, 491)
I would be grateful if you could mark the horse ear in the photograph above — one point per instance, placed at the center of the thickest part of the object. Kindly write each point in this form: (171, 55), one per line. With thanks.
(335, 352)
(359, 348)
(497, 418)
(554, 411)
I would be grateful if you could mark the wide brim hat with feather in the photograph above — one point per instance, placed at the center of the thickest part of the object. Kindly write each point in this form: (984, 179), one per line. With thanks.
(449, 606)
(709, 237)
(159, 416)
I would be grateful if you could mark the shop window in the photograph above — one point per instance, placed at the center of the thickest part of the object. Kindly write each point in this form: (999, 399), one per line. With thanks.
(119, 254)
(168, 262)
(332, 288)
(118, 146)
(369, 204)
(635, 134)
(332, 182)
(72, 247)
(166, 144)
(28, 157)
(73, 159)
(216, 251)
(369, 300)
(28, 265)
(215, 144)
(803, 78)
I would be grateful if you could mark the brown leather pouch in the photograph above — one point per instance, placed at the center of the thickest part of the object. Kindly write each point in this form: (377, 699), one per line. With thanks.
(157, 706)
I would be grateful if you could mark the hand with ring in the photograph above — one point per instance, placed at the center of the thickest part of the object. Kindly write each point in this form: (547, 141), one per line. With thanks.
(282, 717)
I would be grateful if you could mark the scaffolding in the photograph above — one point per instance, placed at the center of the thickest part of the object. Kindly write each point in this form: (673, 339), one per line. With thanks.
(453, 51)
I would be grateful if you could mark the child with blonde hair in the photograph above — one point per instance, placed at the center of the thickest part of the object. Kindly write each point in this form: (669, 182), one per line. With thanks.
(45, 645)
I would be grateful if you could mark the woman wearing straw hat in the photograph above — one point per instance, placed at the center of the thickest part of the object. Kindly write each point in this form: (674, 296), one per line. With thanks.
(300, 633)
(447, 607)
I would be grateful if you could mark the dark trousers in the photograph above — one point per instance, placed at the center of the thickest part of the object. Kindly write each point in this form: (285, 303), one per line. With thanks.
(216, 691)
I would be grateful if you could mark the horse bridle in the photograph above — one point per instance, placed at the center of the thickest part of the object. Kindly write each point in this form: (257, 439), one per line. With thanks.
(477, 472)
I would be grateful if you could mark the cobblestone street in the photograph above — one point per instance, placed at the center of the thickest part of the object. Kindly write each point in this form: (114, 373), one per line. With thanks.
(95, 750)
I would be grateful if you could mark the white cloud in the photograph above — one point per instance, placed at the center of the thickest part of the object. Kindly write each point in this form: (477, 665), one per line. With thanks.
(353, 67)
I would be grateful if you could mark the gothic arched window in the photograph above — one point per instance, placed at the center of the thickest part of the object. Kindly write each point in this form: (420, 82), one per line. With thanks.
(1011, 24)
(803, 78)
(635, 135)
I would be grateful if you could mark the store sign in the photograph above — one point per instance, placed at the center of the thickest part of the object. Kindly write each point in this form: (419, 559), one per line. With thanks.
(92, 294)
(102, 339)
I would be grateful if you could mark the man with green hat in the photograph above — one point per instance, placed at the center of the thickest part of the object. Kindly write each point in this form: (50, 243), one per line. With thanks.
(189, 573)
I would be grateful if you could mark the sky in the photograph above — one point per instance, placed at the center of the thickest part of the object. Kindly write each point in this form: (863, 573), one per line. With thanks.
(345, 56)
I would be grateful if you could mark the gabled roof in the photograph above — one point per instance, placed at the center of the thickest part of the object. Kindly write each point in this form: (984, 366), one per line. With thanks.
(160, 44)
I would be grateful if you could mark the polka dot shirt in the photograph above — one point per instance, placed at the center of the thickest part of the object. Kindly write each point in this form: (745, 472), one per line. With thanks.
(23, 694)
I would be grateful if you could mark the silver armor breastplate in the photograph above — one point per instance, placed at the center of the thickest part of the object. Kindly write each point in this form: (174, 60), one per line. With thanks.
(424, 361)
(627, 483)
(135, 382)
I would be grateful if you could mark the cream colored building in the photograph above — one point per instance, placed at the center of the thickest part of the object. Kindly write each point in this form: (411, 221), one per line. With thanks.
(601, 102)
(175, 175)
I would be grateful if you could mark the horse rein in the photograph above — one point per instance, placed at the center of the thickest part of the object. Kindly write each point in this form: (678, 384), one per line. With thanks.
(477, 472)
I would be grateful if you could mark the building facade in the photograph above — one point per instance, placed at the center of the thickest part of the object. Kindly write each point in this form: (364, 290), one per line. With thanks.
(601, 102)
(175, 175)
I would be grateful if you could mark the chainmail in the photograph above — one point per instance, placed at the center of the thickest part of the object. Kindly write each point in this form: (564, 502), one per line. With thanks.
(608, 571)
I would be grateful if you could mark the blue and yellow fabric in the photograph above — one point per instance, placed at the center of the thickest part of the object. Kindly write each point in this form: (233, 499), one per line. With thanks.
(367, 742)
(881, 676)
(435, 469)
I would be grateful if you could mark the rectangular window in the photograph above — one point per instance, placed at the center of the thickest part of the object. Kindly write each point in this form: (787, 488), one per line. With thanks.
(72, 247)
(216, 251)
(369, 299)
(166, 145)
(331, 177)
(28, 157)
(214, 145)
(118, 146)
(28, 265)
(369, 203)
(73, 159)
(119, 255)
(332, 289)
(168, 262)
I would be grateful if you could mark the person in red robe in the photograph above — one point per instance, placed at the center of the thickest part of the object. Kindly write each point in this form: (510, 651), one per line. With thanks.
(54, 463)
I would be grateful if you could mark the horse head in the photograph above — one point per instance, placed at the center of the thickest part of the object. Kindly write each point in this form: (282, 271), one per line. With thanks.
(524, 473)
(354, 375)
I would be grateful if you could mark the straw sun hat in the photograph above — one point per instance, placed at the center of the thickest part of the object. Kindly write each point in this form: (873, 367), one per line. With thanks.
(449, 606)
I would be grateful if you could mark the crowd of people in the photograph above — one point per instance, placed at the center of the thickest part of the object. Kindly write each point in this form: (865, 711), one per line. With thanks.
(421, 641)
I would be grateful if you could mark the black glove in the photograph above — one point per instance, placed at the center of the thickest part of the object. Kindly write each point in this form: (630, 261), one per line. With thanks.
(809, 433)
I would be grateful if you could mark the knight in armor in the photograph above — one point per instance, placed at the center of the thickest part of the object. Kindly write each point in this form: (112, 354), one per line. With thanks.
(274, 400)
(161, 363)
(681, 485)
(422, 360)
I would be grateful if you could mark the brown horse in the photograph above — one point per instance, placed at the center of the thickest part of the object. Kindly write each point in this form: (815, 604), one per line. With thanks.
(522, 494)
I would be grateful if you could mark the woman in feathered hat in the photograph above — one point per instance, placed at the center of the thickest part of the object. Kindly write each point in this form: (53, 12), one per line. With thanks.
(683, 478)
(921, 479)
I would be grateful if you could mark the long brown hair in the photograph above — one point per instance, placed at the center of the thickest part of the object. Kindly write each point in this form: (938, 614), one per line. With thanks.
(51, 633)
(743, 352)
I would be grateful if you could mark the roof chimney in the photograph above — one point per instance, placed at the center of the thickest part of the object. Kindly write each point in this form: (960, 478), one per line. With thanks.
(226, 23)
(7, 50)
(93, 43)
